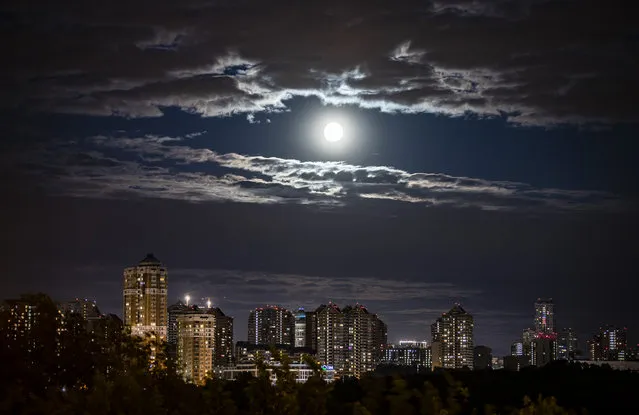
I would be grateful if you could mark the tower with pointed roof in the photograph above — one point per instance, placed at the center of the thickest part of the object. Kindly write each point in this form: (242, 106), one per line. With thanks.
(145, 297)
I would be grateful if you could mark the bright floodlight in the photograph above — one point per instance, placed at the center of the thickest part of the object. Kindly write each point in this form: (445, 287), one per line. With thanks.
(333, 132)
(187, 298)
(208, 303)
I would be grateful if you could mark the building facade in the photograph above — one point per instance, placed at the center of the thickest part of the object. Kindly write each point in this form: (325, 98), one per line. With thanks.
(544, 316)
(452, 333)
(204, 341)
(609, 344)
(172, 329)
(300, 328)
(301, 371)
(271, 325)
(331, 341)
(145, 298)
(482, 358)
(567, 345)
(350, 340)
(410, 355)
(364, 336)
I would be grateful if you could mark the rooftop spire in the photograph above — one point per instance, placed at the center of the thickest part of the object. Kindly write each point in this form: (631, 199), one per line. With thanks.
(150, 259)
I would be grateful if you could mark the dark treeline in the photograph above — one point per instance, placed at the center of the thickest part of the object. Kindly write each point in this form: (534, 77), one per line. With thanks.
(59, 369)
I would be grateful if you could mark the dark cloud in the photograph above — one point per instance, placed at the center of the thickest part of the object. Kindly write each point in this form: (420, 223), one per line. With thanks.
(542, 61)
(166, 167)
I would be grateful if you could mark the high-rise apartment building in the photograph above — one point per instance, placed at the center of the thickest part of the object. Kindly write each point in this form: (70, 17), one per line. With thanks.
(566, 344)
(172, 329)
(330, 335)
(31, 325)
(271, 325)
(311, 330)
(609, 344)
(544, 316)
(145, 298)
(365, 337)
(542, 351)
(300, 328)
(351, 340)
(204, 341)
(453, 334)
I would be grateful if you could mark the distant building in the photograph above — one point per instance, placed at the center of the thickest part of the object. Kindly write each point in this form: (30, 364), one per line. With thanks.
(437, 358)
(84, 315)
(544, 316)
(482, 358)
(454, 333)
(30, 326)
(517, 348)
(351, 339)
(413, 356)
(421, 344)
(205, 341)
(300, 328)
(566, 344)
(246, 352)
(271, 325)
(614, 365)
(301, 371)
(311, 330)
(542, 351)
(82, 307)
(172, 328)
(595, 352)
(610, 344)
(331, 339)
(498, 363)
(145, 298)
(515, 363)
(527, 337)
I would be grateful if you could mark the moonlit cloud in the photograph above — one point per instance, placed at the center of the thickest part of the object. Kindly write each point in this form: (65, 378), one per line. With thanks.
(487, 57)
(168, 167)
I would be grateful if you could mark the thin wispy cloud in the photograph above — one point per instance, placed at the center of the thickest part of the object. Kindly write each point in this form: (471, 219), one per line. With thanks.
(168, 167)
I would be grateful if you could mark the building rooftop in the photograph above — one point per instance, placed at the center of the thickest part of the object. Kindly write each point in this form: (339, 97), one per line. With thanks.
(150, 259)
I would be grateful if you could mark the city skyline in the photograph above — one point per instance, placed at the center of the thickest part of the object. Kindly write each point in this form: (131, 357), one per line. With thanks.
(542, 315)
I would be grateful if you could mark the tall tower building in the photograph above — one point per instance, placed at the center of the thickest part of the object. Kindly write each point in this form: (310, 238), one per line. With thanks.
(311, 330)
(300, 328)
(271, 325)
(172, 329)
(364, 338)
(544, 316)
(330, 335)
(566, 344)
(453, 334)
(145, 297)
(204, 341)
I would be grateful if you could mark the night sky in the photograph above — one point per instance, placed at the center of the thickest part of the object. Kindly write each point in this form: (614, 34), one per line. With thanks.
(489, 157)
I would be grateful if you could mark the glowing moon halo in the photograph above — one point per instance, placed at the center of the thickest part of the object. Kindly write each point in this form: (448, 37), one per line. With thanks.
(333, 132)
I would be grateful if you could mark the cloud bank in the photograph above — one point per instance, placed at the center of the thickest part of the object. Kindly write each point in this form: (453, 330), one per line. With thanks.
(536, 62)
(170, 168)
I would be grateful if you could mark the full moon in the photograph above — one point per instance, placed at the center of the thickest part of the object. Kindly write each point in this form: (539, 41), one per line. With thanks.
(333, 132)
